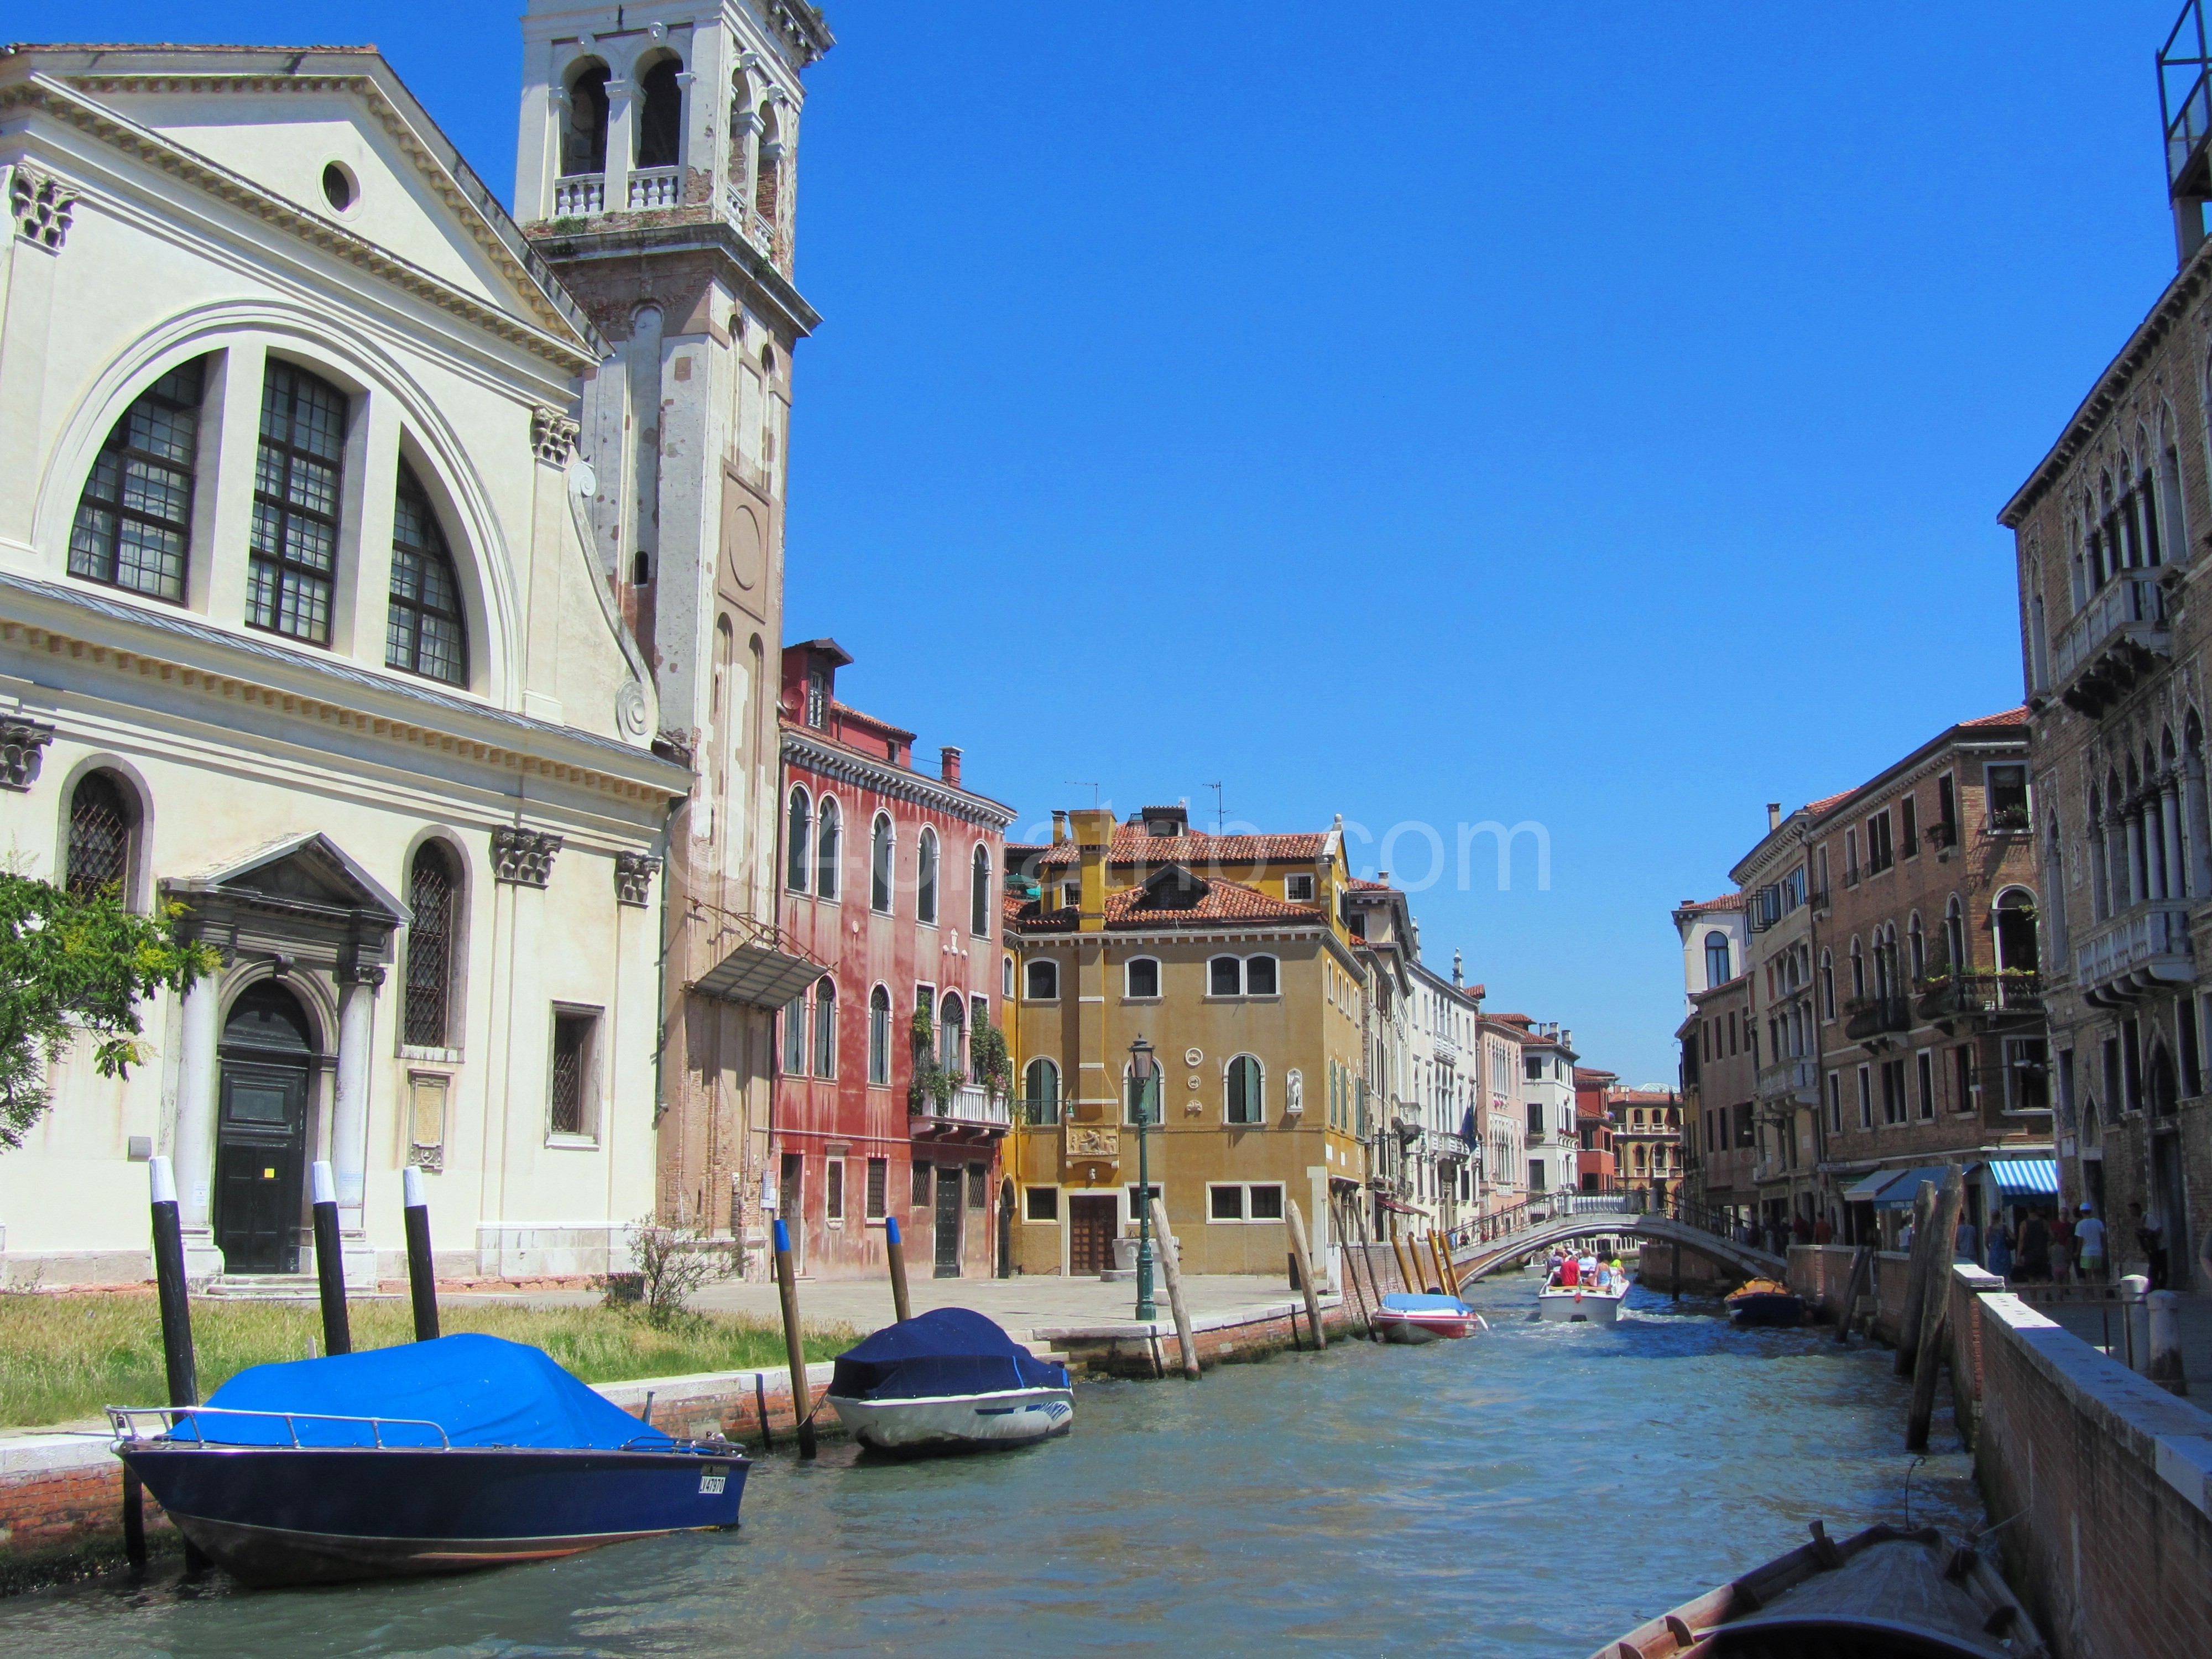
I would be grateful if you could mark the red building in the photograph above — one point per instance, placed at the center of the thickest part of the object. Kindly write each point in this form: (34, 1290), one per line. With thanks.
(886, 1102)
(1593, 1119)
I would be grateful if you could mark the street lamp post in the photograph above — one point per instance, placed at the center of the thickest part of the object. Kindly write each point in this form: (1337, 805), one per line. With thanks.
(1143, 1069)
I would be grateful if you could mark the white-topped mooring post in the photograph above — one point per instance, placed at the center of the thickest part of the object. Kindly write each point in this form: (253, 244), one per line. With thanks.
(350, 1120)
(193, 1144)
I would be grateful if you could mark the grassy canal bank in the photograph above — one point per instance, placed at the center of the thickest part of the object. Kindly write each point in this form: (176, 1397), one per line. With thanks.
(63, 1356)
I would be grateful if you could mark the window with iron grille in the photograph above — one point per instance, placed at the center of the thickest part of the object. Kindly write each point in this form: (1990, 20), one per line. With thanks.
(833, 1201)
(431, 947)
(423, 629)
(979, 1190)
(921, 1184)
(102, 813)
(879, 1176)
(134, 521)
(296, 483)
(573, 1035)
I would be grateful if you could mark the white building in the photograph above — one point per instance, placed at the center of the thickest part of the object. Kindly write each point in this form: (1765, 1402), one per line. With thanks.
(1547, 1094)
(1440, 1058)
(1499, 1084)
(300, 624)
(1715, 943)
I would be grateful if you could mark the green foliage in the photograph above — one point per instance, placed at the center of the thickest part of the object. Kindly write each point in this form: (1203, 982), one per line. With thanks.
(78, 962)
(989, 1058)
(672, 1262)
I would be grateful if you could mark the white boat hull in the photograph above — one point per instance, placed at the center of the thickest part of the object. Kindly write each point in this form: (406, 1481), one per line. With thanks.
(1581, 1307)
(960, 1422)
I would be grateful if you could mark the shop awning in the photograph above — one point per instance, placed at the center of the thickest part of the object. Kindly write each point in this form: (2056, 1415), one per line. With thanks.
(767, 971)
(2025, 1177)
(1863, 1192)
(1905, 1187)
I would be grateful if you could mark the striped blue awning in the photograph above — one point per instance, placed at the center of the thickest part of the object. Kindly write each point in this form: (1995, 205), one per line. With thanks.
(2025, 1177)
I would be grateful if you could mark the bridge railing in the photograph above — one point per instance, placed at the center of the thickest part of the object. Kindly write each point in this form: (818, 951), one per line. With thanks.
(1501, 1226)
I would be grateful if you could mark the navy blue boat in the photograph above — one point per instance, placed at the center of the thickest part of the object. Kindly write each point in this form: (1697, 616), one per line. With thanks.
(438, 1457)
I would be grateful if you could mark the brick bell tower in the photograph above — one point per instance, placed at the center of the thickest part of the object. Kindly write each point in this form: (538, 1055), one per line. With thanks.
(656, 175)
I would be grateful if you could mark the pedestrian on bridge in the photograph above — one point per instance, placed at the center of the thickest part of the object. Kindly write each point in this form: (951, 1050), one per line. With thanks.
(1822, 1232)
(2150, 1239)
(2034, 1247)
(2000, 1249)
(2089, 1232)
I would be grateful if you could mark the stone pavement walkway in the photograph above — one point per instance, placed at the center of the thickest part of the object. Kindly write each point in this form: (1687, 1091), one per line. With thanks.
(1021, 1304)
(2089, 1321)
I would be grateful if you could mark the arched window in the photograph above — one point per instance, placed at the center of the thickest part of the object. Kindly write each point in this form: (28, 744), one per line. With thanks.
(430, 884)
(879, 1035)
(1225, 977)
(102, 824)
(1141, 977)
(2016, 929)
(1716, 959)
(951, 1034)
(1245, 1103)
(798, 841)
(1042, 981)
(1260, 978)
(1827, 983)
(880, 864)
(1954, 936)
(925, 876)
(794, 1036)
(424, 632)
(1637, 1158)
(979, 897)
(660, 116)
(297, 488)
(1041, 1092)
(828, 836)
(825, 1027)
(584, 136)
(1916, 946)
(134, 521)
(768, 177)
(1858, 970)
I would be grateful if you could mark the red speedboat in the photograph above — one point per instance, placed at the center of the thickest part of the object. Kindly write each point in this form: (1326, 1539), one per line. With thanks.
(1404, 1318)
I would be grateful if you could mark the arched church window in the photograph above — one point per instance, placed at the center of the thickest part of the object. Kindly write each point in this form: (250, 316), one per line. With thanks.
(134, 521)
(424, 632)
(584, 139)
(103, 815)
(430, 884)
(296, 490)
(660, 119)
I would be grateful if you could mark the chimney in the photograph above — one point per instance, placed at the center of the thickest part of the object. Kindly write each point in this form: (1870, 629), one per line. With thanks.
(948, 765)
(1567, 1036)
(1459, 974)
(1773, 815)
(1058, 825)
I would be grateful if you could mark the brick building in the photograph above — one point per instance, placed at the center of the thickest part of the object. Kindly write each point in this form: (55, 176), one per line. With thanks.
(1593, 1123)
(2105, 532)
(1927, 978)
(1720, 1072)
(1647, 1142)
(885, 1101)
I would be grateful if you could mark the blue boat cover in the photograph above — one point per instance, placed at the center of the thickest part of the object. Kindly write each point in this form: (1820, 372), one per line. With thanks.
(482, 1391)
(1397, 1302)
(946, 1350)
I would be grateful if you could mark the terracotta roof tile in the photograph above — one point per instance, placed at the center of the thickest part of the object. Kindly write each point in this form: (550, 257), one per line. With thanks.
(1725, 902)
(1132, 844)
(1223, 901)
(2007, 717)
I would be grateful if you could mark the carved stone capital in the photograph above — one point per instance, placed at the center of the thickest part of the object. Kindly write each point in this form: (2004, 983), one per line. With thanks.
(633, 874)
(22, 751)
(523, 857)
(360, 973)
(552, 434)
(42, 206)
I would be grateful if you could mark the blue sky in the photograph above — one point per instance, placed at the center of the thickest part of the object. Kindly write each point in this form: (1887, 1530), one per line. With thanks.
(1593, 417)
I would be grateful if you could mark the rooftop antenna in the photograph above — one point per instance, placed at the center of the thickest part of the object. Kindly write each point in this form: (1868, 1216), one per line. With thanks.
(1220, 811)
(1084, 783)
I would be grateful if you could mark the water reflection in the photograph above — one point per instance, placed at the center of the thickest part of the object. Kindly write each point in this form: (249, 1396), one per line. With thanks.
(1532, 1491)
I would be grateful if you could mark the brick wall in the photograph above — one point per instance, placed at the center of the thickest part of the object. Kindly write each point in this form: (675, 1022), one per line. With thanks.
(1821, 1274)
(2110, 1478)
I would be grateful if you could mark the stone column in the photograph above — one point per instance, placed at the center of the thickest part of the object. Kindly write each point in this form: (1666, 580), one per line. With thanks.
(622, 142)
(357, 989)
(2193, 792)
(2169, 818)
(2138, 866)
(193, 1146)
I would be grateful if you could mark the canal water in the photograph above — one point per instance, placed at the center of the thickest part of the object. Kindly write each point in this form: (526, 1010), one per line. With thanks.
(1533, 1490)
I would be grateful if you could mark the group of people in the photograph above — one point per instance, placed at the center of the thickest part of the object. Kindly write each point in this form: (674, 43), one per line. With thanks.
(2048, 1245)
(1570, 1272)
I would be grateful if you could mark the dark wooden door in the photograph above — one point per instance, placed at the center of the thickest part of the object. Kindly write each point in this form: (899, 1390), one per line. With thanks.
(948, 1223)
(1091, 1219)
(260, 1139)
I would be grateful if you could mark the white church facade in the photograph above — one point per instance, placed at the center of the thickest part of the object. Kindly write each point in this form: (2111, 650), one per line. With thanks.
(303, 625)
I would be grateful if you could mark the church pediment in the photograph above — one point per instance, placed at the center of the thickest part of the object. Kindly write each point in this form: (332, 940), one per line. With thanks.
(302, 871)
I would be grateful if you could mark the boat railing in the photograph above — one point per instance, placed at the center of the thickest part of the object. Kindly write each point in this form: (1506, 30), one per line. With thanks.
(125, 1419)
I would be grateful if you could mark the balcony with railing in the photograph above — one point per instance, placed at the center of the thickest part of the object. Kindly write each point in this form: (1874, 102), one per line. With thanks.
(580, 196)
(1867, 1018)
(2112, 642)
(656, 187)
(1793, 1080)
(970, 1111)
(2145, 946)
(1992, 998)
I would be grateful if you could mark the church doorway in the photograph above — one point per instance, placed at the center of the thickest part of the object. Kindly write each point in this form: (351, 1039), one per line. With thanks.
(269, 1059)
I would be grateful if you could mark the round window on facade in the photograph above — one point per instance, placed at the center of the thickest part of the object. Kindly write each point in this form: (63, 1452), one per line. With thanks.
(339, 189)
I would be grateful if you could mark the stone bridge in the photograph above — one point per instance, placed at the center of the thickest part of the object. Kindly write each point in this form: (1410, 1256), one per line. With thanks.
(1474, 1257)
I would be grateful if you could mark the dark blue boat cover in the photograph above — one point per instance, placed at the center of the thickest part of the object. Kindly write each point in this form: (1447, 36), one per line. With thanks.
(482, 1391)
(947, 1351)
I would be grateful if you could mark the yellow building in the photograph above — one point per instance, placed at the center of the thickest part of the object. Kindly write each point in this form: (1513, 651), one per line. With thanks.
(1230, 955)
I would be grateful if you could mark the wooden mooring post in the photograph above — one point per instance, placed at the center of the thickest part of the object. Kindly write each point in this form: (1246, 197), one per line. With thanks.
(1302, 1259)
(330, 1259)
(177, 1357)
(421, 1268)
(1861, 1276)
(794, 1350)
(1186, 1333)
(1915, 1281)
(895, 1248)
(1936, 1312)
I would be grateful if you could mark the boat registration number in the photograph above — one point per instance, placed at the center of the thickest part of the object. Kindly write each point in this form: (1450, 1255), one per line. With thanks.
(714, 1479)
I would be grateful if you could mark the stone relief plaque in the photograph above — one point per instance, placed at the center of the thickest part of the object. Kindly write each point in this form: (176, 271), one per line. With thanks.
(1093, 1140)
